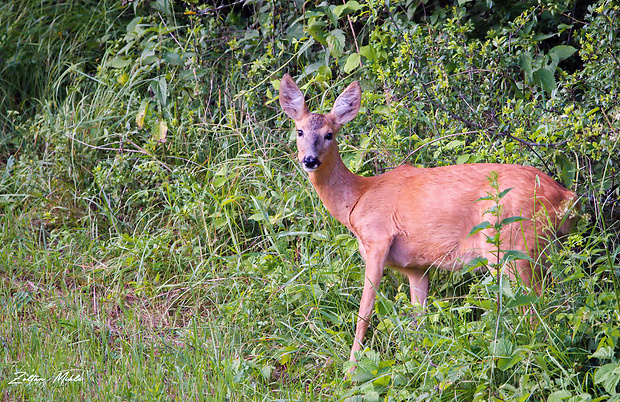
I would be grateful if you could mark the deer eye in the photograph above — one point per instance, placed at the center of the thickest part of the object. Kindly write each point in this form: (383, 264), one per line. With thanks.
(300, 133)
(329, 136)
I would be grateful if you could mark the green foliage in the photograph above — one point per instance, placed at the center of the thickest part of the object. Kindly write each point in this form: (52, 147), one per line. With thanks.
(159, 240)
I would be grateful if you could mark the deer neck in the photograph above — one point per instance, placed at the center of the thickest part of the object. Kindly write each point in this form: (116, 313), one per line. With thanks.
(338, 188)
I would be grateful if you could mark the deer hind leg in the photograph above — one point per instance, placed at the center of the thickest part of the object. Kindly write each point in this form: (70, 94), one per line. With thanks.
(530, 272)
(376, 256)
(418, 286)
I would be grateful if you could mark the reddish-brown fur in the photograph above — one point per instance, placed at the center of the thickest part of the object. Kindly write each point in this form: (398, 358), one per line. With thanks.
(413, 219)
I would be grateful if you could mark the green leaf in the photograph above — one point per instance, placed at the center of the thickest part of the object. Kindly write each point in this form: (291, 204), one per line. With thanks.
(479, 227)
(503, 193)
(511, 219)
(455, 144)
(506, 363)
(349, 8)
(609, 376)
(368, 52)
(140, 116)
(250, 34)
(463, 159)
(543, 77)
(567, 170)
(541, 37)
(335, 42)
(353, 61)
(306, 46)
(266, 371)
(160, 131)
(603, 352)
(173, 58)
(514, 255)
(386, 325)
(119, 62)
(559, 396)
(563, 51)
(475, 263)
(501, 347)
(522, 300)
(159, 86)
(315, 28)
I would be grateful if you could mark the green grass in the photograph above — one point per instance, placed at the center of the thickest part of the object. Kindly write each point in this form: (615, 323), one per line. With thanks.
(258, 326)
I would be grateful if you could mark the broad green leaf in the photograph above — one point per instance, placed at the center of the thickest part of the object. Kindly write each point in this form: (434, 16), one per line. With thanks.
(119, 62)
(603, 352)
(501, 347)
(160, 88)
(258, 217)
(475, 263)
(563, 52)
(386, 325)
(335, 42)
(455, 144)
(521, 300)
(251, 34)
(266, 371)
(567, 170)
(505, 363)
(559, 396)
(353, 61)
(543, 77)
(463, 159)
(348, 8)
(555, 60)
(173, 58)
(541, 36)
(286, 353)
(368, 52)
(122, 79)
(315, 28)
(525, 62)
(609, 376)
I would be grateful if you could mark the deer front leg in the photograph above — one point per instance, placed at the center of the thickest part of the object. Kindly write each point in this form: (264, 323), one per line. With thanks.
(375, 263)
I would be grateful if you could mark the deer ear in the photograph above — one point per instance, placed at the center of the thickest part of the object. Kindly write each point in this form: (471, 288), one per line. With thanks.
(347, 105)
(291, 99)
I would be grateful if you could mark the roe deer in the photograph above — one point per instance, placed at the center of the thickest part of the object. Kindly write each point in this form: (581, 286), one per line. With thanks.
(413, 219)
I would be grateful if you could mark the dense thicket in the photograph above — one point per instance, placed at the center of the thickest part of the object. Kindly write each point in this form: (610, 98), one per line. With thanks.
(143, 156)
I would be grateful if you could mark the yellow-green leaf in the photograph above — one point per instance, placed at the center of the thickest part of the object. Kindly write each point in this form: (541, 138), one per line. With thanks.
(160, 131)
(353, 61)
(141, 113)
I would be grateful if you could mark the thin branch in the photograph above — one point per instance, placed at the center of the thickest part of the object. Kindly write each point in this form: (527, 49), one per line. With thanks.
(435, 140)
(201, 13)
(354, 36)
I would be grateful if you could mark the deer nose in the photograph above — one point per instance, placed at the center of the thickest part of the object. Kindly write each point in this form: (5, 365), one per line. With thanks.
(310, 162)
